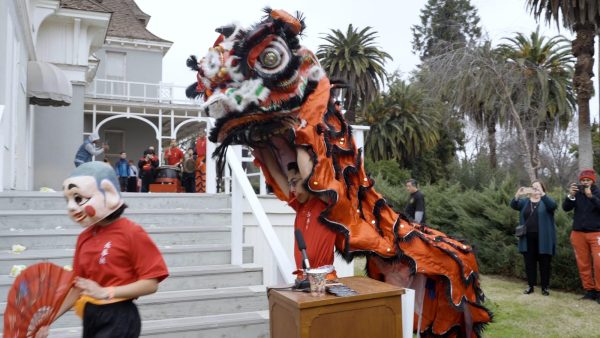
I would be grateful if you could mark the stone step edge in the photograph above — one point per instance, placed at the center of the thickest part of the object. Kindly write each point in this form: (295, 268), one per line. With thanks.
(168, 297)
(59, 194)
(45, 254)
(149, 229)
(184, 271)
(30, 212)
(174, 325)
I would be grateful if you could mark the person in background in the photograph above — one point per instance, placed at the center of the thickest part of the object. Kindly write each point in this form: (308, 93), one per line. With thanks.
(415, 209)
(88, 149)
(189, 171)
(536, 211)
(147, 165)
(584, 200)
(173, 155)
(132, 181)
(122, 171)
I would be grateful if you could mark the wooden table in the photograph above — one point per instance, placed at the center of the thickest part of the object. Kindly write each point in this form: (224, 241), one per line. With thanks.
(375, 312)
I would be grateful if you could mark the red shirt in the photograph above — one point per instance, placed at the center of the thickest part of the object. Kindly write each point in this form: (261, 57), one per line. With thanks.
(173, 156)
(320, 239)
(118, 254)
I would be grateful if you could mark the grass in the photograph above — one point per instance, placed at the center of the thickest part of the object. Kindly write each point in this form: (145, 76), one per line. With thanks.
(562, 314)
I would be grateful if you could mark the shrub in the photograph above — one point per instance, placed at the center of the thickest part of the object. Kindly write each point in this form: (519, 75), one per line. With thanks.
(484, 219)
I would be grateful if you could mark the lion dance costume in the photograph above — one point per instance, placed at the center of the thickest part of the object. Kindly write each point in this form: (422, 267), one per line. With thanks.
(265, 90)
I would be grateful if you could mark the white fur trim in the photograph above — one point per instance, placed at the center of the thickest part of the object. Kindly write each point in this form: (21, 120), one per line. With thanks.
(316, 73)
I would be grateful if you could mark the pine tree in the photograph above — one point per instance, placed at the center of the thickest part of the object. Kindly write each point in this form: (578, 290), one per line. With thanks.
(445, 24)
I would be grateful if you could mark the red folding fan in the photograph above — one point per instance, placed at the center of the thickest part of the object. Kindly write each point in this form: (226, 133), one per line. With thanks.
(35, 298)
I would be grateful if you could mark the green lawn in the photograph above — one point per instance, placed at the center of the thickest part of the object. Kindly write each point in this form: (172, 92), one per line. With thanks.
(559, 315)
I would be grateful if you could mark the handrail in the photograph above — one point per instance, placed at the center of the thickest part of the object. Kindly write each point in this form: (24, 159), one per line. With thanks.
(241, 186)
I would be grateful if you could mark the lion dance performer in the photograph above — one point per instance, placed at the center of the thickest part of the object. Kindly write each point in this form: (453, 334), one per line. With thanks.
(268, 92)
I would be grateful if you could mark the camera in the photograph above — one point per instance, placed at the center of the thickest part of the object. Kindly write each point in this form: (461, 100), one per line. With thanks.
(581, 187)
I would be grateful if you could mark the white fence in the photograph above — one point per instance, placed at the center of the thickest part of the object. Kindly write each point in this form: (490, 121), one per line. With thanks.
(138, 91)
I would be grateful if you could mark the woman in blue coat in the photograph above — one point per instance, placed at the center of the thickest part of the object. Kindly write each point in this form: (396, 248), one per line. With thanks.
(539, 244)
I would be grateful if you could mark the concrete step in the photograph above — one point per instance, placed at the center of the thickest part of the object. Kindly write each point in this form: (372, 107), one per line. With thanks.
(181, 304)
(190, 277)
(53, 219)
(253, 324)
(175, 255)
(66, 238)
(32, 200)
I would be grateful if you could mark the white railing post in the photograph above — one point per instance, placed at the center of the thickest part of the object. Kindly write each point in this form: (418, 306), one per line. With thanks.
(211, 169)
(237, 215)
(279, 254)
(262, 184)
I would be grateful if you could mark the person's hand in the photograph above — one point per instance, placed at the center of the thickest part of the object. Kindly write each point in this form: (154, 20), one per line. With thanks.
(105, 146)
(587, 191)
(520, 192)
(573, 189)
(42, 332)
(90, 288)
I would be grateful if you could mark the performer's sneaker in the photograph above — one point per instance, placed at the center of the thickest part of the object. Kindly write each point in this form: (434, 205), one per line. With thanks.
(545, 292)
(528, 290)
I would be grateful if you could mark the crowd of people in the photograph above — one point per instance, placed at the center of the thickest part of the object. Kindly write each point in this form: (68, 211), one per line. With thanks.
(189, 166)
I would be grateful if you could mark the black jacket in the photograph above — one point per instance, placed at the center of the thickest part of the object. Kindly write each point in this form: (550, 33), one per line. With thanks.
(586, 216)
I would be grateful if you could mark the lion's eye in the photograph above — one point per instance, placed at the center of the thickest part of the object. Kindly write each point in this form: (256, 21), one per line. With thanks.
(270, 58)
(274, 58)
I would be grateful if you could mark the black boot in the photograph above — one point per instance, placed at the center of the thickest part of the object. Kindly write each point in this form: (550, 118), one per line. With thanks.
(590, 294)
(528, 290)
(545, 291)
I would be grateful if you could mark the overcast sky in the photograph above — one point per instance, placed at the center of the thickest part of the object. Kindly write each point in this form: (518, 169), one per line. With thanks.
(190, 25)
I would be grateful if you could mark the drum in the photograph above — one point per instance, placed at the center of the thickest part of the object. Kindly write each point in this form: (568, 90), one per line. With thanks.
(167, 174)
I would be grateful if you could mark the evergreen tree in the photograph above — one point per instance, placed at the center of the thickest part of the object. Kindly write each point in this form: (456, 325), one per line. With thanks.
(445, 24)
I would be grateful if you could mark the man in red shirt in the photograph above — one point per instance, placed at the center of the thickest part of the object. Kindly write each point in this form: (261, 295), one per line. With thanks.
(174, 155)
(320, 240)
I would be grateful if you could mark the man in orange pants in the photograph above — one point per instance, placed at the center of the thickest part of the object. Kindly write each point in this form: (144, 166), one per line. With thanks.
(584, 199)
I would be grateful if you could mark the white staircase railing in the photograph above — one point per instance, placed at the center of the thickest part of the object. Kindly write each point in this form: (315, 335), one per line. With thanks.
(240, 188)
(278, 268)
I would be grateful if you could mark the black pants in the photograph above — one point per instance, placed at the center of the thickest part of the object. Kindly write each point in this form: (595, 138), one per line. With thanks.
(116, 320)
(532, 258)
(189, 182)
(123, 183)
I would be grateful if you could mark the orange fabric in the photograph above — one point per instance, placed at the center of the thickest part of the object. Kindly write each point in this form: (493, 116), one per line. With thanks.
(287, 18)
(201, 172)
(587, 254)
(433, 253)
(81, 302)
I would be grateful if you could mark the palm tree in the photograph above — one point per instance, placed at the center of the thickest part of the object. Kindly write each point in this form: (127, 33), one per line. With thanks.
(401, 127)
(582, 17)
(355, 58)
(547, 66)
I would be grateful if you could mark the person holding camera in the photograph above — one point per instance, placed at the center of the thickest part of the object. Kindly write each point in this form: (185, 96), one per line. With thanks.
(147, 164)
(538, 245)
(584, 200)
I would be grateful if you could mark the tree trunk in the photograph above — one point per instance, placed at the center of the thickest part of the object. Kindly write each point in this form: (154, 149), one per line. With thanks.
(491, 138)
(583, 50)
